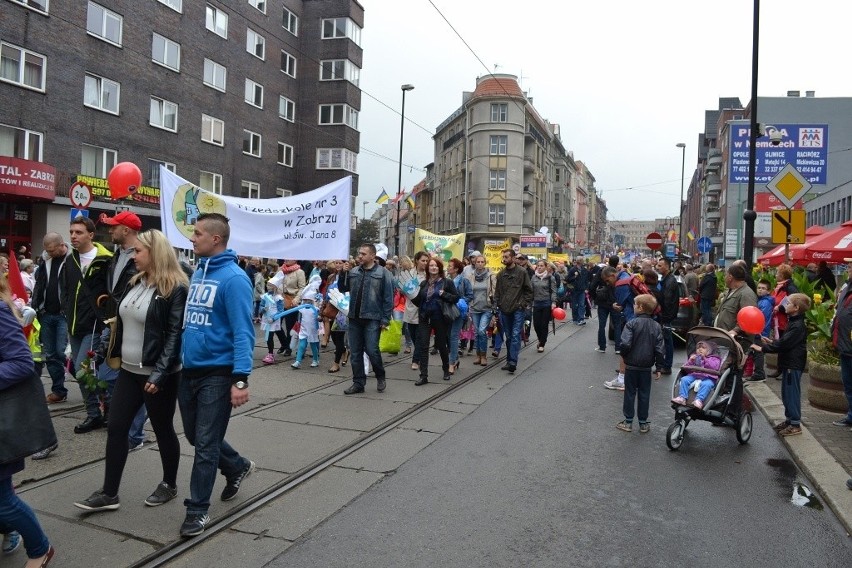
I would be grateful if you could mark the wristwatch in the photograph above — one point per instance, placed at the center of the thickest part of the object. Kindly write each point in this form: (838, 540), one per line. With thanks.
(242, 385)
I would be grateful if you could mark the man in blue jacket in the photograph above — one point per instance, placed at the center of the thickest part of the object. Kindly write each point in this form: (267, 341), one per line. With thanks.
(217, 347)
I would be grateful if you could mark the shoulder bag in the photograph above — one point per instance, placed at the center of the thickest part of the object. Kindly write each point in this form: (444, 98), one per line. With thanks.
(25, 424)
(449, 311)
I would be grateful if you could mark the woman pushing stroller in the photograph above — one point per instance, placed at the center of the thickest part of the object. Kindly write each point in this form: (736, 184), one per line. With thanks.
(706, 356)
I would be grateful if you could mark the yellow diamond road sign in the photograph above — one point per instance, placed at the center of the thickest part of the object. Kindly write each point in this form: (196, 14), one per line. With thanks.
(789, 186)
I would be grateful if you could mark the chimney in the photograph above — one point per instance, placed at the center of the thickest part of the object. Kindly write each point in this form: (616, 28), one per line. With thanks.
(793, 94)
(810, 94)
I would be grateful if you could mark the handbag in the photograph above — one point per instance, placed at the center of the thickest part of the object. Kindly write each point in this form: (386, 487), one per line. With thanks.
(328, 311)
(25, 424)
(450, 312)
(113, 362)
(289, 301)
(390, 340)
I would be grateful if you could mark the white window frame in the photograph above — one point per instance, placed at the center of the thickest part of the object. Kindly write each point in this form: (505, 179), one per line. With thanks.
(254, 93)
(290, 67)
(281, 192)
(259, 5)
(214, 69)
(249, 187)
(214, 177)
(338, 114)
(101, 32)
(108, 158)
(154, 179)
(99, 83)
(176, 5)
(499, 112)
(255, 143)
(253, 41)
(289, 109)
(290, 22)
(33, 5)
(23, 55)
(339, 70)
(216, 21)
(162, 106)
(283, 158)
(497, 182)
(27, 136)
(167, 43)
(498, 145)
(214, 125)
(496, 214)
(350, 30)
(337, 159)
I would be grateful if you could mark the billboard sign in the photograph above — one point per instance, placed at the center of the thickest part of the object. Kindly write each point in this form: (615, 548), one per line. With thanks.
(805, 146)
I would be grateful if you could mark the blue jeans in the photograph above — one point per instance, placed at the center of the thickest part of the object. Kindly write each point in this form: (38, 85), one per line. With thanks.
(303, 346)
(79, 347)
(453, 340)
(578, 305)
(637, 383)
(791, 395)
(705, 388)
(137, 427)
(707, 311)
(54, 338)
(668, 342)
(17, 515)
(480, 325)
(364, 338)
(512, 324)
(846, 377)
(205, 409)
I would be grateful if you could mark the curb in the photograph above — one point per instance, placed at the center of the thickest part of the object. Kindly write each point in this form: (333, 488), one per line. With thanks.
(825, 473)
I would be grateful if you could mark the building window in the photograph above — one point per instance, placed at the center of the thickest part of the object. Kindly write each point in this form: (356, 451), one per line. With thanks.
(20, 143)
(338, 114)
(334, 28)
(281, 192)
(498, 180)
(212, 130)
(339, 70)
(217, 21)
(251, 143)
(97, 162)
(215, 75)
(556, 173)
(254, 93)
(101, 93)
(104, 24)
(290, 22)
(250, 189)
(211, 182)
(260, 5)
(337, 159)
(286, 109)
(165, 52)
(255, 44)
(498, 145)
(154, 171)
(285, 154)
(499, 112)
(176, 5)
(163, 114)
(496, 214)
(37, 5)
(22, 67)
(288, 64)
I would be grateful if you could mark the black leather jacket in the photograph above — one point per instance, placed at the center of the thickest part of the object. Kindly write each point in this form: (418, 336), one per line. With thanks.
(161, 343)
(670, 295)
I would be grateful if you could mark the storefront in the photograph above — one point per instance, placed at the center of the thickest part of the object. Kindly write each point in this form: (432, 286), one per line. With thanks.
(22, 183)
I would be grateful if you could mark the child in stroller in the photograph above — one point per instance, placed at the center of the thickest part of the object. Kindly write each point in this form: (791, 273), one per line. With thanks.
(706, 356)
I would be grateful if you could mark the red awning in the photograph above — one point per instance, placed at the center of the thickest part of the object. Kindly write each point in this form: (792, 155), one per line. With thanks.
(776, 256)
(25, 178)
(832, 247)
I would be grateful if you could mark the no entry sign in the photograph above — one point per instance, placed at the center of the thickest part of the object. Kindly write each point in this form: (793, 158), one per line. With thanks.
(654, 241)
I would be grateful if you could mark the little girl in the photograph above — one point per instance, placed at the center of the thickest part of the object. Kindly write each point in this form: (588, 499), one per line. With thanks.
(271, 304)
(309, 329)
(706, 356)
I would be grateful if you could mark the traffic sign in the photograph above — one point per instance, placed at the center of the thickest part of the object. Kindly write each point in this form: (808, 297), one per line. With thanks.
(704, 245)
(788, 186)
(79, 213)
(80, 195)
(671, 249)
(654, 241)
(788, 226)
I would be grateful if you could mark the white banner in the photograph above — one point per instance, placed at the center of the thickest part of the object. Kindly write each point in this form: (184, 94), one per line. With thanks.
(310, 226)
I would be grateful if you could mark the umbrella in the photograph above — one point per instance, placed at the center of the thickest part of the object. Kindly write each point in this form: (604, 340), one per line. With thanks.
(832, 246)
(776, 256)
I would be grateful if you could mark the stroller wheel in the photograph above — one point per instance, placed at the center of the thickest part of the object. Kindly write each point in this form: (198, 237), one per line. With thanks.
(744, 427)
(674, 435)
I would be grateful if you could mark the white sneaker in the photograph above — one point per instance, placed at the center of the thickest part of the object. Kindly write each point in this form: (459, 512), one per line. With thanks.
(599, 350)
(295, 364)
(314, 363)
(614, 384)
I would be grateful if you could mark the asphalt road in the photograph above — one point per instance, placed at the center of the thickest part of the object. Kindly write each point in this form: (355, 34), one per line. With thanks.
(539, 476)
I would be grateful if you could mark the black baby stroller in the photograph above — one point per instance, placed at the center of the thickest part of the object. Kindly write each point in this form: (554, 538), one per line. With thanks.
(727, 404)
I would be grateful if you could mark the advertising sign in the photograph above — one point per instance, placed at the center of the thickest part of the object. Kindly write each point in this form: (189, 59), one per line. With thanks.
(100, 189)
(805, 146)
(27, 178)
(731, 243)
(493, 254)
(534, 245)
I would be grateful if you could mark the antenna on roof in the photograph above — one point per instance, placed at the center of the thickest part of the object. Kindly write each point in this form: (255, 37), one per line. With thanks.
(521, 78)
(496, 67)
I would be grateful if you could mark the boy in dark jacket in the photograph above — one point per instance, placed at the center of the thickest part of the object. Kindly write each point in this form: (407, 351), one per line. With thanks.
(792, 357)
(641, 347)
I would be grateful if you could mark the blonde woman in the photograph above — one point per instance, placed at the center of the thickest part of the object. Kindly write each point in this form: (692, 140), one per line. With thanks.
(148, 339)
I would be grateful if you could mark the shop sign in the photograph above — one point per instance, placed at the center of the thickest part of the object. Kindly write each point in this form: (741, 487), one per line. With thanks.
(100, 191)
(27, 178)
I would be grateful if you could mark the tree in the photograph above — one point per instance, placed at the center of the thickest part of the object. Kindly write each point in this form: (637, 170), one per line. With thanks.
(366, 232)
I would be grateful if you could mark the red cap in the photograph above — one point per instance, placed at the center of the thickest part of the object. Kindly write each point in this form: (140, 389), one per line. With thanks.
(126, 218)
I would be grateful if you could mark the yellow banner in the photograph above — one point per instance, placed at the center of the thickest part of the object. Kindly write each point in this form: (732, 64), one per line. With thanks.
(444, 246)
(555, 257)
(494, 255)
(593, 258)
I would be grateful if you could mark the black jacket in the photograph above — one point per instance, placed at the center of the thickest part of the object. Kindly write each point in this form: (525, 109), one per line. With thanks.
(450, 295)
(162, 337)
(707, 286)
(642, 344)
(792, 346)
(80, 292)
(670, 298)
(513, 291)
(41, 276)
(841, 327)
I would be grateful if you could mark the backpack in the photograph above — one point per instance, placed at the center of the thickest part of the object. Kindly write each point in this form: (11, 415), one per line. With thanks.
(638, 286)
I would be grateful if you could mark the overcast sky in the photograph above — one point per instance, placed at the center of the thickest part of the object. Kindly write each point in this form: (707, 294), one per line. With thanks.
(625, 80)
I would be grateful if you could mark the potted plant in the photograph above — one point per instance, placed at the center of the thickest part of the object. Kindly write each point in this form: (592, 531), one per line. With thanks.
(825, 386)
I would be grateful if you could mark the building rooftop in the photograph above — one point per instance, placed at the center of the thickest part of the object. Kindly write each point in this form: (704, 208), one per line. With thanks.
(498, 86)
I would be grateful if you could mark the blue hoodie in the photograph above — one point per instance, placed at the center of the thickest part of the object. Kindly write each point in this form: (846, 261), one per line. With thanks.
(766, 305)
(218, 329)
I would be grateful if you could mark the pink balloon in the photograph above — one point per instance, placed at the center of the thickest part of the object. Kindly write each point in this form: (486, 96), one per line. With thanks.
(124, 179)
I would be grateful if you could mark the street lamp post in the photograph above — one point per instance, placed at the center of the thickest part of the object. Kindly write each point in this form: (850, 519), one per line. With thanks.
(682, 146)
(364, 215)
(749, 215)
(404, 88)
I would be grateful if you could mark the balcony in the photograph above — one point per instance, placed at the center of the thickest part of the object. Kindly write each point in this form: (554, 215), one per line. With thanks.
(528, 197)
(714, 157)
(714, 188)
(717, 239)
(529, 164)
(712, 215)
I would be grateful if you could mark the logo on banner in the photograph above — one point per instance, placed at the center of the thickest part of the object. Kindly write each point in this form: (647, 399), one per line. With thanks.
(811, 137)
(189, 202)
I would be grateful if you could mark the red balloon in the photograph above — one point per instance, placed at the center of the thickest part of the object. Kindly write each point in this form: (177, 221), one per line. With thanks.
(124, 179)
(751, 320)
(558, 313)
